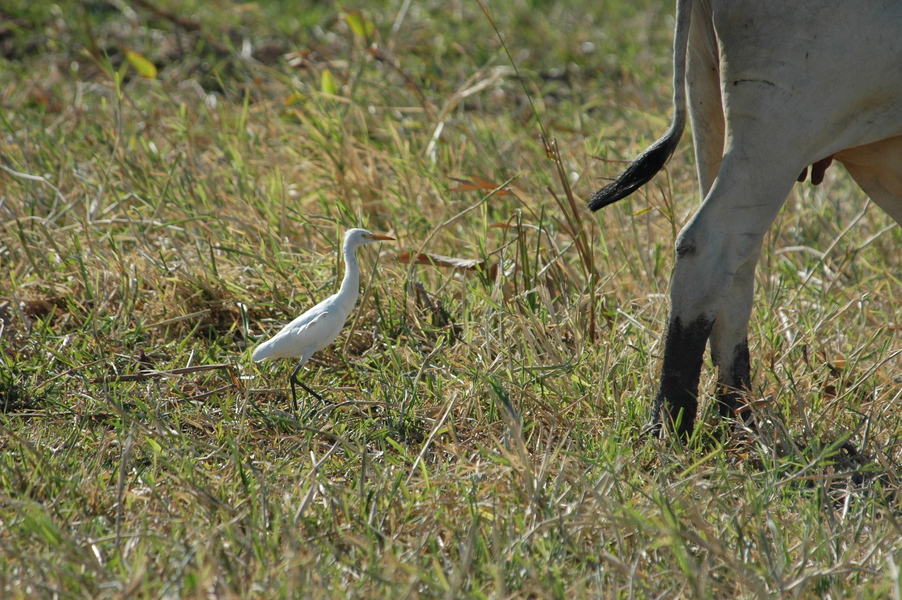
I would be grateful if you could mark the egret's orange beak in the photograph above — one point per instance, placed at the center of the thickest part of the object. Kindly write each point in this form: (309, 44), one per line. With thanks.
(378, 237)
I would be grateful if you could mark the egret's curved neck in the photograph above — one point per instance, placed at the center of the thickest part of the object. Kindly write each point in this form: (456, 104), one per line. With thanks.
(350, 285)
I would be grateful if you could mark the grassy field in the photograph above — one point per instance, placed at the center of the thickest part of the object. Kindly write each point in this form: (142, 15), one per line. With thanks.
(175, 178)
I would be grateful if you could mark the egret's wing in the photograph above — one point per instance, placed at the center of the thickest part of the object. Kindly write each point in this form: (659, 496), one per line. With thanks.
(307, 330)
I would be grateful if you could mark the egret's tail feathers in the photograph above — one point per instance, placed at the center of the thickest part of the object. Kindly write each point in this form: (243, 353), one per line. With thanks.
(261, 352)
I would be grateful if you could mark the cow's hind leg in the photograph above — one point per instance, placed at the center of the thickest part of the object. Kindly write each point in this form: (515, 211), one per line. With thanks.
(719, 246)
(729, 338)
(729, 346)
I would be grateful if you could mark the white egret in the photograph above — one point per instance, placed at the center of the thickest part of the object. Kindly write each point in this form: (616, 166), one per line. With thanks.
(319, 326)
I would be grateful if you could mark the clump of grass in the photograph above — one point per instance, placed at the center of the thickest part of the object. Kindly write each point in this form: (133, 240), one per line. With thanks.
(484, 439)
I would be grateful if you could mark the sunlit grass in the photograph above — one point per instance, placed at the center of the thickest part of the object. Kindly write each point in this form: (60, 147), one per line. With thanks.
(485, 434)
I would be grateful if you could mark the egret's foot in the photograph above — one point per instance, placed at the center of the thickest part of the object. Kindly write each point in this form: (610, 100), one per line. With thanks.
(314, 394)
(653, 429)
(315, 411)
(295, 382)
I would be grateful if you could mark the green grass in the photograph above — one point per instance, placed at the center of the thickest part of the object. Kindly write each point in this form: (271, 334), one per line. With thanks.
(482, 444)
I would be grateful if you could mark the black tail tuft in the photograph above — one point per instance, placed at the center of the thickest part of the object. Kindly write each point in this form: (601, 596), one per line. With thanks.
(656, 156)
(639, 172)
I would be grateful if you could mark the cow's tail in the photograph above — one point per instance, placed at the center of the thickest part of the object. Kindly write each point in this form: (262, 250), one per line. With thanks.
(656, 156)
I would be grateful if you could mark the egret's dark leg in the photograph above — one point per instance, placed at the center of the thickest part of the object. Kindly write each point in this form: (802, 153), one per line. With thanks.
(293, 380)
(312, 393)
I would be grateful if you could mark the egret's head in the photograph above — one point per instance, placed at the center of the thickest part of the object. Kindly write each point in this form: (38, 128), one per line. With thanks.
(359, 237)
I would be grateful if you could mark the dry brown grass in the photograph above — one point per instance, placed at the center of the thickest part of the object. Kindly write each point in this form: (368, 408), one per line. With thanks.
(482, 443)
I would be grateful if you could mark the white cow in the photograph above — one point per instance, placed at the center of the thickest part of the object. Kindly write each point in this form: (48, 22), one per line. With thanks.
(772, 87)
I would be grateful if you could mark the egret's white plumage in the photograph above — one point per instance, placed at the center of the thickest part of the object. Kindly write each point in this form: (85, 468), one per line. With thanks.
(319, 326)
